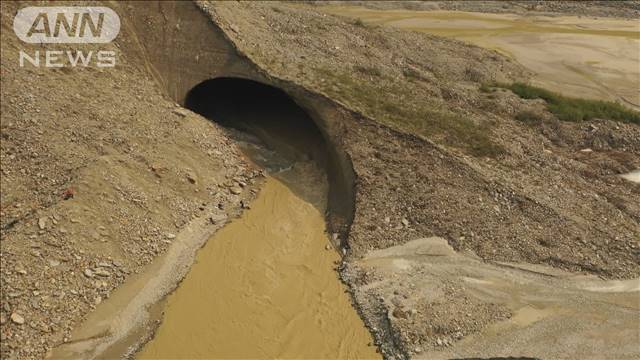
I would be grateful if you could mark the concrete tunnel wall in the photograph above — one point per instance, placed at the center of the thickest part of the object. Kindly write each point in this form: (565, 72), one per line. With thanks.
(181, 47)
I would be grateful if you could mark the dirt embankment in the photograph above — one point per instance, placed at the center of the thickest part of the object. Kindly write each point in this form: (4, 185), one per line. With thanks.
(100, 173)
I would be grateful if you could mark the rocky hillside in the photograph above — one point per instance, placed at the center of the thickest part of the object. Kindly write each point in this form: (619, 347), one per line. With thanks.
(100, 171)
(452, 159)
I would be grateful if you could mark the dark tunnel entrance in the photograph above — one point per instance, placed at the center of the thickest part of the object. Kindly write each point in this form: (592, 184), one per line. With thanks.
(280, 136)
(263, 111)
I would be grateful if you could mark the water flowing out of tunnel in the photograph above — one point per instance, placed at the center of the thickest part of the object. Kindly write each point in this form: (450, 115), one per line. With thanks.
(265, 286)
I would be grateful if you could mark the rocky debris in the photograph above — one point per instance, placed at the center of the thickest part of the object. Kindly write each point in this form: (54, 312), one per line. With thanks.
(470, 201)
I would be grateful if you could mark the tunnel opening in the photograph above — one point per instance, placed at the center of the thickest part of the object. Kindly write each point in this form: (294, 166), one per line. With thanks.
(291, 146)
(264, 111)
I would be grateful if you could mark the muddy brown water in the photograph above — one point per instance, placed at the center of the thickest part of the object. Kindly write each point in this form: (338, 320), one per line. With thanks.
(264, 287)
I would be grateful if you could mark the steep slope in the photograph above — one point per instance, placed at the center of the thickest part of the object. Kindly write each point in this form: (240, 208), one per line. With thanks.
(100, 171)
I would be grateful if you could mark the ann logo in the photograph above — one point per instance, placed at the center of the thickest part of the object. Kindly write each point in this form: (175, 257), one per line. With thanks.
(66, 24)
(76, 27)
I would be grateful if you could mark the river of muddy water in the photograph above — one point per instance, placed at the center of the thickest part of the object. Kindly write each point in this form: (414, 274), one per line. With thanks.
(578, 56)
(264, 286)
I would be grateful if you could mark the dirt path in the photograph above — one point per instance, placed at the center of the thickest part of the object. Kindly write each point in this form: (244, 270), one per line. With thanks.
(581, 57)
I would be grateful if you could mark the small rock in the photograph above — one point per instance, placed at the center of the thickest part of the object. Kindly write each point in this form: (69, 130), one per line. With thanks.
(235, 190)
(439, 342)
(88, 273)
(170, 236)
(53, 262)
(42, 223)
(327, 247)
(102, 272)
(399, 314)
(215, 219)
(587, 150)
(181, 112)
(405, 222)
(17, 318)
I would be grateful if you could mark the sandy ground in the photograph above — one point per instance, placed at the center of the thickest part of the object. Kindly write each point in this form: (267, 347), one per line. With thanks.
(577, 56)
(551, 314)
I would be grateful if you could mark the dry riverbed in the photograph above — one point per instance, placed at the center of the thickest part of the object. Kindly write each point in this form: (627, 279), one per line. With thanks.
(577, 56)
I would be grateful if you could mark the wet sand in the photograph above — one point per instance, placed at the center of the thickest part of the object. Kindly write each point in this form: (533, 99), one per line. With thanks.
(595, 58)
(264, 287)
